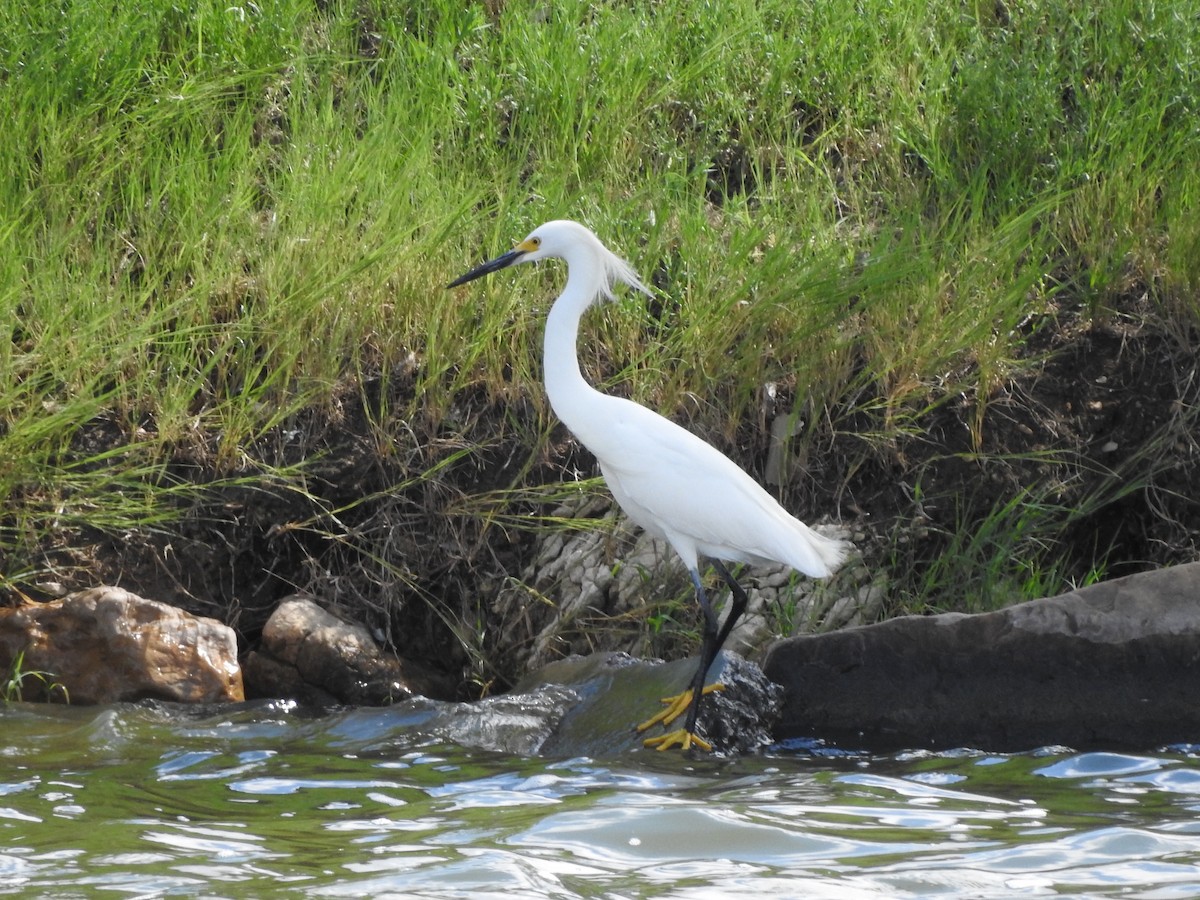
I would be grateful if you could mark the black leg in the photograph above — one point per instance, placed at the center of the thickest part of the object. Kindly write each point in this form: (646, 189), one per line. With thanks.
(737, 602)
(712, 641)
(708, 652)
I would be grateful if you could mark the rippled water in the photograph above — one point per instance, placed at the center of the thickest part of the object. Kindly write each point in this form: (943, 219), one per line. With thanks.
(263, 801)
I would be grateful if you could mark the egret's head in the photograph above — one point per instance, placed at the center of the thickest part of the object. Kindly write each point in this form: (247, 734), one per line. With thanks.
(560, 239)
(563, 239)
(541, 244)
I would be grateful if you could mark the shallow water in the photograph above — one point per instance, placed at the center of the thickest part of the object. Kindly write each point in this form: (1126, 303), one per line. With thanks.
(264, 801)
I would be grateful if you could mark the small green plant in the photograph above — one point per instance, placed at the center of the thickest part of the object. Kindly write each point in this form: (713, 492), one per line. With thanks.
(12, 689)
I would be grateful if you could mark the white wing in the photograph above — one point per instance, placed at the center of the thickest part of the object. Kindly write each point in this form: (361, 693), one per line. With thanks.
(677, 486)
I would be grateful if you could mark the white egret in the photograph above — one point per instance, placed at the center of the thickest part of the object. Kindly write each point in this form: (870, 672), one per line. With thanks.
(670, 482)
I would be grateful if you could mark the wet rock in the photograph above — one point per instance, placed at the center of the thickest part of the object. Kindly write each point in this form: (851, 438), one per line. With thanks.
(1116, 664)
(106, 645)
(519, 724)
(589, 706)
(310, 655)
(612, 693)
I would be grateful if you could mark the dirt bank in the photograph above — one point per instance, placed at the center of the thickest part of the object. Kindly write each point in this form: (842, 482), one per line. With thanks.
(1084, 461)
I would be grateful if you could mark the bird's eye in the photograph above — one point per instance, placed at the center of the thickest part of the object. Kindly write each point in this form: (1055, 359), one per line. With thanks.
(537, 242)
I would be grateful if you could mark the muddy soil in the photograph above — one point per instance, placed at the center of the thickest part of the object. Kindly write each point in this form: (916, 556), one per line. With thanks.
(1096, 426)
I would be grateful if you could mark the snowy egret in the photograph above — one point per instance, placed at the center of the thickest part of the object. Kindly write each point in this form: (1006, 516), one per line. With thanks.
(670, 482)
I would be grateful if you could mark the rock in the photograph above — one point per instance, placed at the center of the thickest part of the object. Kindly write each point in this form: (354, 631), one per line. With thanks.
(602, 581)
(516, 724)
(1116, 664)
(310, 655)
(106, 645)
(590, 706)
(613, 692)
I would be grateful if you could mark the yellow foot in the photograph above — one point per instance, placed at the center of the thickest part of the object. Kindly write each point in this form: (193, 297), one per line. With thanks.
(675, 707)
(685, 740)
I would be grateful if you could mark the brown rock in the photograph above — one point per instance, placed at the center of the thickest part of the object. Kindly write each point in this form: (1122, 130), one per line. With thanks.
(1116, 664)
(106, 645)
(310, 655)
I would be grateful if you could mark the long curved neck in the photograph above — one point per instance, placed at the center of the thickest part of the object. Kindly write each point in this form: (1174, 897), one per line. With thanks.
(565, 384)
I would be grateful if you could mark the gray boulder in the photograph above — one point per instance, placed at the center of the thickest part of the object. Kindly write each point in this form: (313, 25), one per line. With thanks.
(1116, 664)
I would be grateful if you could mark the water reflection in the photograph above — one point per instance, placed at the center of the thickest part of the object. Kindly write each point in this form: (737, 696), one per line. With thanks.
(262, 800)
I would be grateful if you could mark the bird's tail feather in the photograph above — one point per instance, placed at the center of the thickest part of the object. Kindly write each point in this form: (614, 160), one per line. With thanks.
(822, 556)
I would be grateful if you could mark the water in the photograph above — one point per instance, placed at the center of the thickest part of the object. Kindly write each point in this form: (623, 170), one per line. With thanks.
(258, 801)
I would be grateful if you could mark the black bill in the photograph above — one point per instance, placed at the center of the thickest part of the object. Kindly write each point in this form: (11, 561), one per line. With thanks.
(492, 265)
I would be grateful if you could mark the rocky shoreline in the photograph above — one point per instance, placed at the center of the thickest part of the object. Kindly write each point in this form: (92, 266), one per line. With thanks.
(1115, 664)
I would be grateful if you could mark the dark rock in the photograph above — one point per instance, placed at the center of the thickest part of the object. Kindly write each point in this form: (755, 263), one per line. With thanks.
(1116, 664)
(312, 656)
(577, 706)
(614, 692)
(106, 645)
(589, 706)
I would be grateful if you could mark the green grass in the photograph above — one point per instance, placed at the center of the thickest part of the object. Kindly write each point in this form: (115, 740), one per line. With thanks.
(219, 221)
(20, 680)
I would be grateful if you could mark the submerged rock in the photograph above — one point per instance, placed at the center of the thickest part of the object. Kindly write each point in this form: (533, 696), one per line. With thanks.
(577, 706)
(613, 692)
(105, 645)
(310, 655)
(519, 724)
(1114, 664)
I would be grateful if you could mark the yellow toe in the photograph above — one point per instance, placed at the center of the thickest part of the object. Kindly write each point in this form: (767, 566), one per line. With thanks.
(685, 740)
(674, 707)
